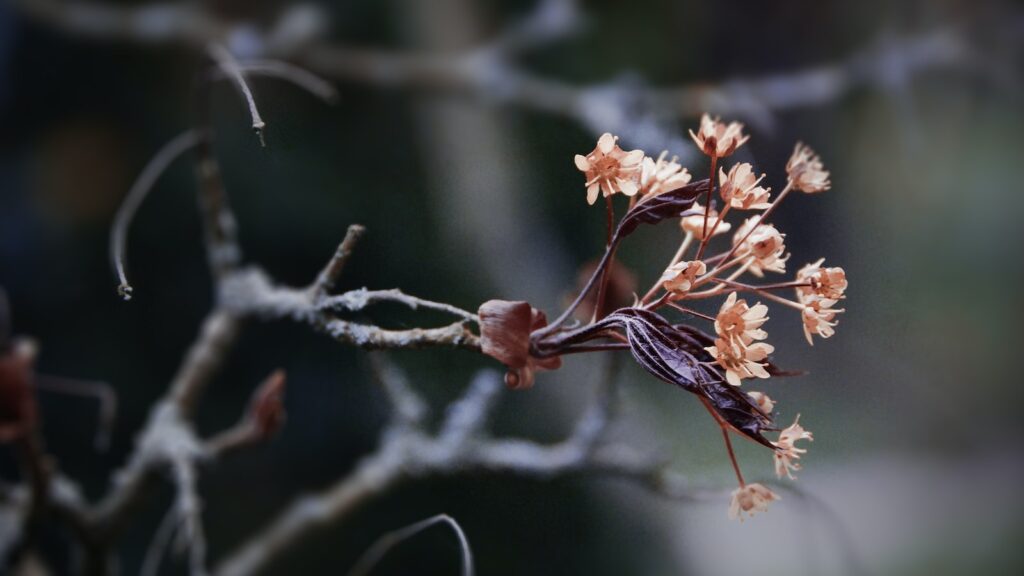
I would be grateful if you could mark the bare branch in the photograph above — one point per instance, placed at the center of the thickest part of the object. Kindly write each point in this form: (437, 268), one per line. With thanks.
(329, 275)
(157, 166)
(382, 546)
(415, 455)
(637, 112)
(356, 300)
(297, 75)
(226, 61)
(158, 546)
(409, 408)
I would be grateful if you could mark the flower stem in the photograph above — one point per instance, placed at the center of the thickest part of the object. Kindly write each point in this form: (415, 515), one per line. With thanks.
(675, 260)
(761, 220)
(707, 236)
(728, 443)
(602, 287)
(707, 198)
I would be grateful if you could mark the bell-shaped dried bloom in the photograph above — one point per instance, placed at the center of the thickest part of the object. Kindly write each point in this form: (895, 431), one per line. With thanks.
(739, 188)
(610, 169)
(694, 223)
(762, 401)
(787, 453)
(738, 321)
(737, 349)
(717, 139)
(660, 176)
(749, 500)
(680, 277)
(819, 319)
(806, 171)
(827, 283)
(505, 335)
(766, 244)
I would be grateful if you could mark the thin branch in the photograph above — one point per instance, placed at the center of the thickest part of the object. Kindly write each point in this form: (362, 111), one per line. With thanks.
(487, 74)
(296, 75)
(356, 300)
(329, 275)
(382, 546)
(157, 166)
(101, 391)
(409, 408)
(460, 448)
(158, 546)
(226, 61)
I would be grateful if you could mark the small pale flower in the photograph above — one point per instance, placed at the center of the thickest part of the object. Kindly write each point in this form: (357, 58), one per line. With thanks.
(827, 283)
(806, 171)
(738, 321)
(749, 500)
(717, 139)
(610, 169)
(786, 453)
(741, 362)
(679, 278)
(819, 319)
(736, 349)
(766, 244)
(739, 188)
(762, 401)
(660, 176)
(694, 224)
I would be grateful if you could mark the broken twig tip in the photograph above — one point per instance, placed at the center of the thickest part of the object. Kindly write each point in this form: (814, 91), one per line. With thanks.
(125, 291)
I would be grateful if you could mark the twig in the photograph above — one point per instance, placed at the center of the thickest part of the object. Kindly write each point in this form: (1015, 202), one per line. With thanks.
(226, 61)
(288, 72)
(382, 546)
(119, 231)
(356, 300)
(328, 276)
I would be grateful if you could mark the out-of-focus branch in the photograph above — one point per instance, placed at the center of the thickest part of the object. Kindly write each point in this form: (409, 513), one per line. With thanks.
(462, 447)
(489, 72)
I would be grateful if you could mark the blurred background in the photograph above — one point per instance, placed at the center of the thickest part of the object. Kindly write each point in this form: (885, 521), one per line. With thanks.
(461, 169)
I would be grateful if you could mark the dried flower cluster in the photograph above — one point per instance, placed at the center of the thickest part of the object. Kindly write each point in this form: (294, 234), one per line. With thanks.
(711, 365)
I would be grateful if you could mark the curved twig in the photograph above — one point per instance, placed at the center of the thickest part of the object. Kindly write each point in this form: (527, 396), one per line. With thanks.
(138, 192)
(385, 543)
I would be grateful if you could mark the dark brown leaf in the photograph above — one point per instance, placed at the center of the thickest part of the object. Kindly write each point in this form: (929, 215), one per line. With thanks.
(654, 209)
(672, 356)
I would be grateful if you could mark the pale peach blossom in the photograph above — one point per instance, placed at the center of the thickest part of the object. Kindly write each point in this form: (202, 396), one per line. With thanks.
(739, 188)
(787, 453)
(741, 362)
(717, 139)
(762, 401)
(738, 321)
(749, 500)
(694, 224)
(660, 176)
(610, 169)
(737, 349)
(827, 283)
(765, 244)
(806, 172)
(819, 319)
(680, 277)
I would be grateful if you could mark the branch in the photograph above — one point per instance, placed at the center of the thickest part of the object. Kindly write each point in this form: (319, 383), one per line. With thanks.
(461, 448)
(139, 190)
(487, 73)
(226, 61)
(382, 546)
